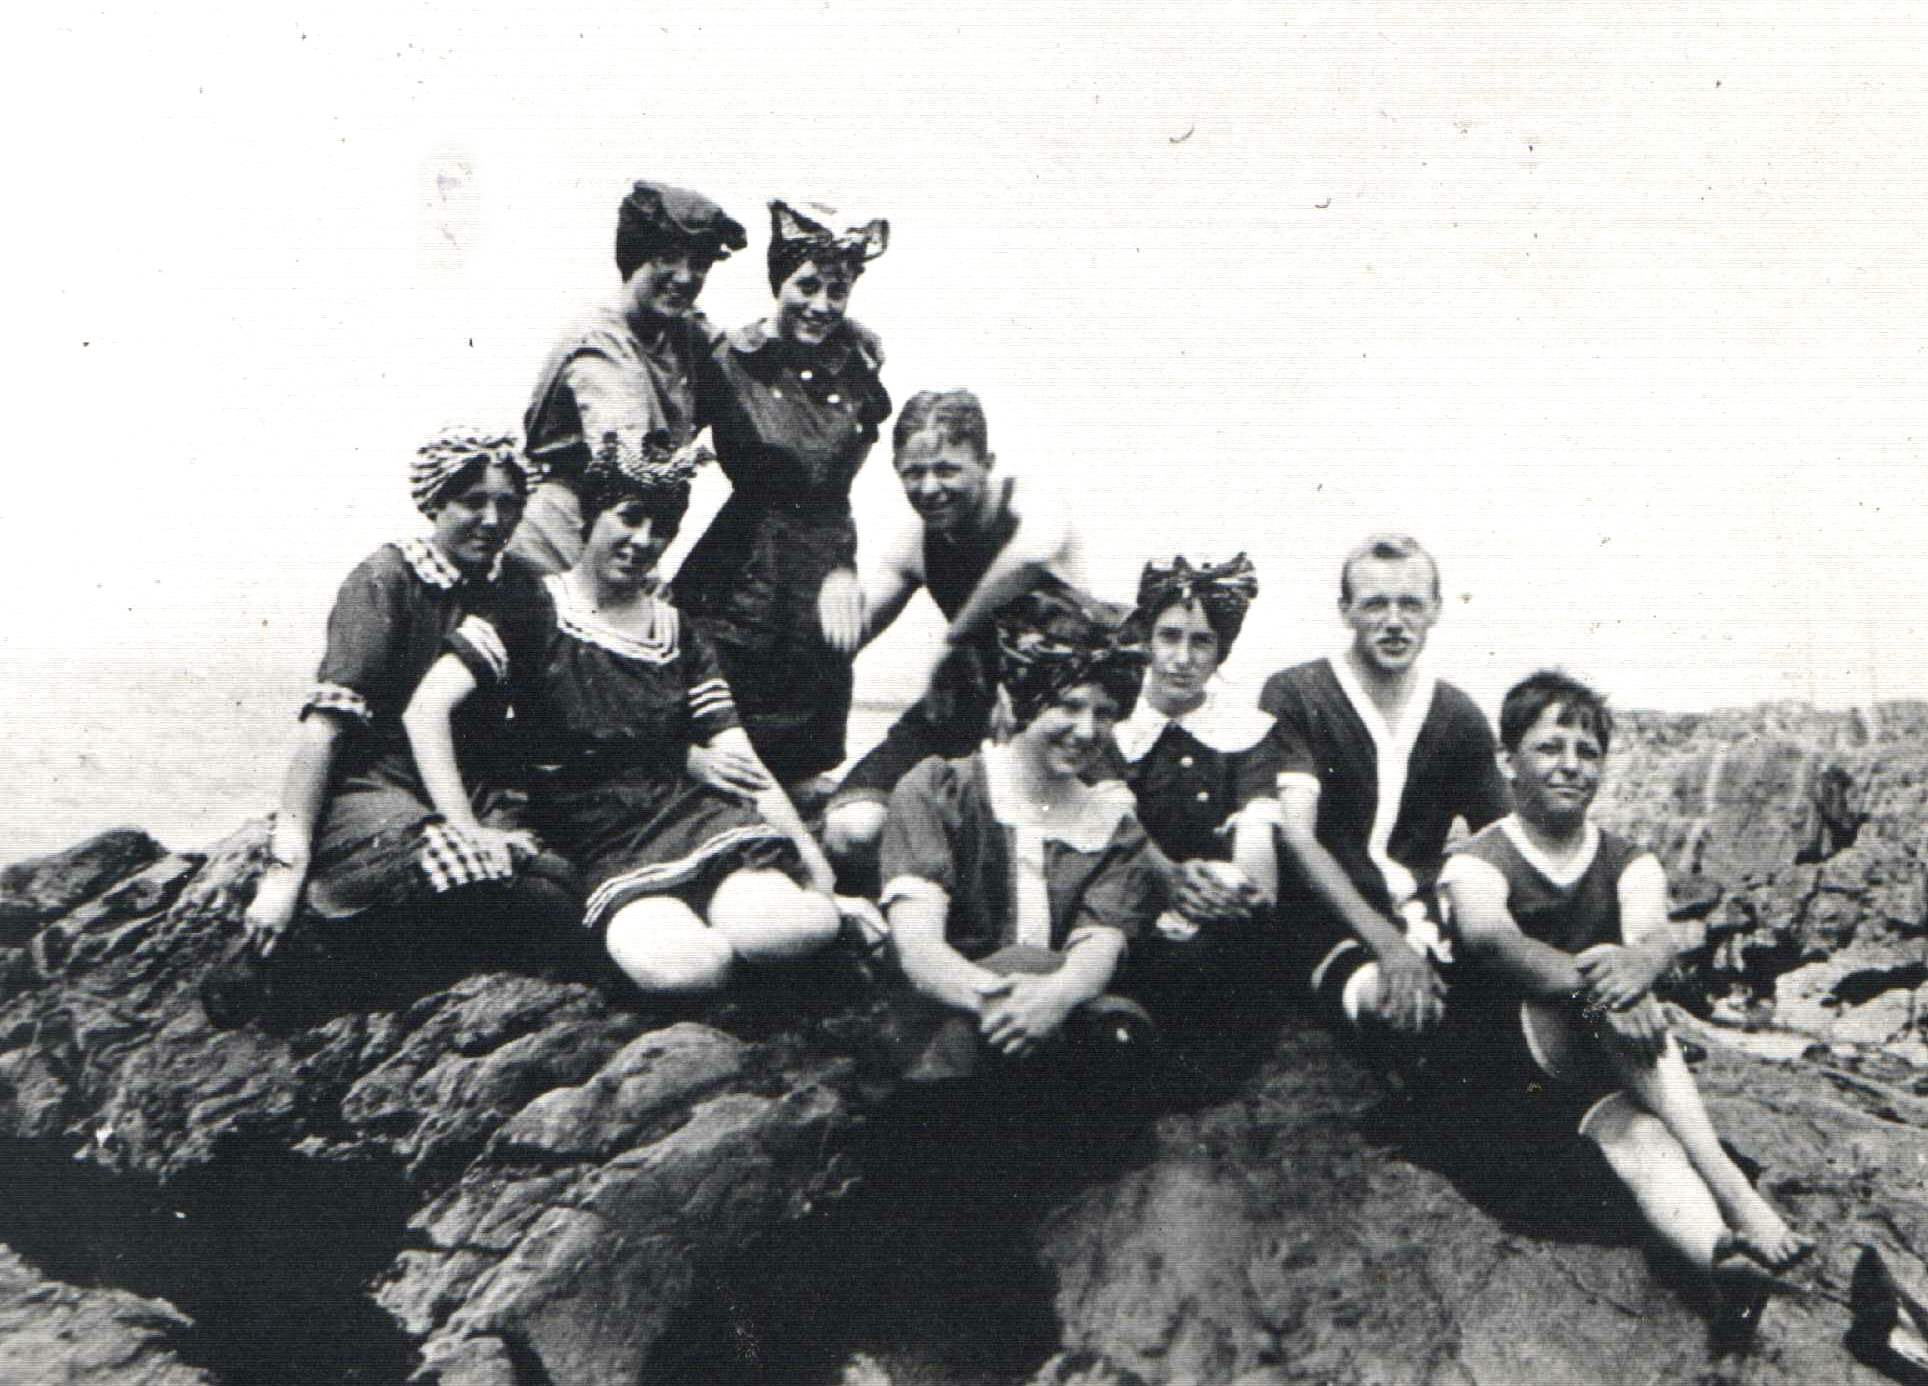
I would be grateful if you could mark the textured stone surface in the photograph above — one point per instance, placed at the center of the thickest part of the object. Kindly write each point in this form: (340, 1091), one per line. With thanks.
(574, 1181)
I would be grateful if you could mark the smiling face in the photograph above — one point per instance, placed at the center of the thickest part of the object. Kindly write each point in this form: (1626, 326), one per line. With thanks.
(665, 286)
(812, 302)
(1391, 607)
(1185, 653)
(945, 480)
(1555, 771)
(472, 522)
(1065, 737)
(623, 545)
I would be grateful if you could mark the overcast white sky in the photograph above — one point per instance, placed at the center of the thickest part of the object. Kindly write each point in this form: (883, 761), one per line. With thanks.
(1620, 307)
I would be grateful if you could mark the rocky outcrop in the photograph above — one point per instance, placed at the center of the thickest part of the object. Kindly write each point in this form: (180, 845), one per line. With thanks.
(499, 1179)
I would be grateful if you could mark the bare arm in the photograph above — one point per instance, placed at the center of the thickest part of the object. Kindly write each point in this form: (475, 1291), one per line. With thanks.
(304, 794)
(1489, 934)
(930, 964)
(1042, 535)
(1255, 852)
(776, 808)
(1617, 976)
(443, 689)
(890, 588)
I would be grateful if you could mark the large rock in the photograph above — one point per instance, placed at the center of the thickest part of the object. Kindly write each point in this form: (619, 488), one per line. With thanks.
(57, 1335)
(498, 1180)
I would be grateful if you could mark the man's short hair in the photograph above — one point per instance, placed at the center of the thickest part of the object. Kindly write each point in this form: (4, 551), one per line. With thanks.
(955, 416)
(1389, 548)
(1580, 706)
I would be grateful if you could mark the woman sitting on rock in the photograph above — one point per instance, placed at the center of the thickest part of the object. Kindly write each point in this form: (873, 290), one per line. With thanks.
(1563, 931)
(614, 691)
(1204, 773)
(355, 832)
(1013, 888)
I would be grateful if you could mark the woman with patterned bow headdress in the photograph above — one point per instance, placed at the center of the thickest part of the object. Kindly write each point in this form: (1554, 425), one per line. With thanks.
(355, 831)
(692, 856)
(627, 366)
(794, 404)
(1204, 772)
(1013, 887)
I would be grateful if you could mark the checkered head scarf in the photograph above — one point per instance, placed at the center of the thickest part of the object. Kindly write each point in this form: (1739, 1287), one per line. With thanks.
(1050, 642)
(447, 459)
(1224, 591)
(796, 239)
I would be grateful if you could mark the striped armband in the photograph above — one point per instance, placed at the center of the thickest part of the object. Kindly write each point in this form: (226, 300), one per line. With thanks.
(336, 697)
(710, 700)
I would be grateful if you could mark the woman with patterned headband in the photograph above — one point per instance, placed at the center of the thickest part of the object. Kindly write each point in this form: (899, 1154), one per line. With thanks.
(624, 704)
(794, 403)
(355, 831)
(1013, 887)
(1203, 771)
(627, 366)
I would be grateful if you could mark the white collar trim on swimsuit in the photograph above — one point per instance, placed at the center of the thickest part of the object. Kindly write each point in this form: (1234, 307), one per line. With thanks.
(1393, 748)
(1220, 724)
(576, 620)
(1560, 873)
(1085, 824)
(433, 567)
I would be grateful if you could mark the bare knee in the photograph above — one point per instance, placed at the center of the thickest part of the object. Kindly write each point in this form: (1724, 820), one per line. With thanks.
(853, 829)
(768, 918)
(1628, 1134)
(664, 949)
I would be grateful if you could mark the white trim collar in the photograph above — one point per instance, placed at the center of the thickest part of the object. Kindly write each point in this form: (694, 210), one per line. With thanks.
(1392, 756)
(437, 569)
(1561, 873)
(1217, 722)
(1085, 824)
(576, 620)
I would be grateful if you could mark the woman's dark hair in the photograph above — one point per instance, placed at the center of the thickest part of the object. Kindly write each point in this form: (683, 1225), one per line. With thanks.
(956, 416)
(1226, 623)
(1580, 706)
(666, 505)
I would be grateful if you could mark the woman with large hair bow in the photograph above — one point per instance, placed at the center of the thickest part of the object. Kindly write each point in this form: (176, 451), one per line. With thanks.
(794, 404)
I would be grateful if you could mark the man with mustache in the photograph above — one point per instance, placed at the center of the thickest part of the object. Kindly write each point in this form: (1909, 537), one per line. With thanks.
(1378, 758)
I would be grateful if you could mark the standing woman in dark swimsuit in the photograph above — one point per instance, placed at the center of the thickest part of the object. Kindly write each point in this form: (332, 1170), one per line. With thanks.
(794, 406)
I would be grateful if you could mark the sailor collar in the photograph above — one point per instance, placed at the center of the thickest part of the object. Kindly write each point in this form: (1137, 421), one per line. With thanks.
(1085, 824)
(1217, 723)
(435, 569)
(851, 339)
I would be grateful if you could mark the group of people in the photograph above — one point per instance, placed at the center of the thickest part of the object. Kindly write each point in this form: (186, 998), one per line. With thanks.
(1072, 842)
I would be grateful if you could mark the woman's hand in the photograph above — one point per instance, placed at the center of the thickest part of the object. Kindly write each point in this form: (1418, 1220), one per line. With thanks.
(1617, 977)
(840, 609)
(731, 769)
(510, 846)
(1017, 1014)
(277, 897)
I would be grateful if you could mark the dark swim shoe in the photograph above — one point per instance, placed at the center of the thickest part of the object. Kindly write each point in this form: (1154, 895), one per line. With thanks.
(1890, 1331)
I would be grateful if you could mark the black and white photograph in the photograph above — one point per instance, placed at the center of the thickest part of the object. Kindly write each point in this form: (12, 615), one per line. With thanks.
(852, 694)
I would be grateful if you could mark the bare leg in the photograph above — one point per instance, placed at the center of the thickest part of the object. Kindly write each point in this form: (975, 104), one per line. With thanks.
(851, 831)
(1666, 1088)
(1671, 1195)
(769, 918)
(666, 950)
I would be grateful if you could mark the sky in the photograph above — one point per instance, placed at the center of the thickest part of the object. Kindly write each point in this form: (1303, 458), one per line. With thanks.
(1619, 308)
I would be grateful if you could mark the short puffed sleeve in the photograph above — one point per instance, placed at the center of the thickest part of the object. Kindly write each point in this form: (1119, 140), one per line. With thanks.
(920, 842)
(366, 629)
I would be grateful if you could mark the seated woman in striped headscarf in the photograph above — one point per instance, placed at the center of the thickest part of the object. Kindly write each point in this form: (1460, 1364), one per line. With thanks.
(693, 858)
(355, 833)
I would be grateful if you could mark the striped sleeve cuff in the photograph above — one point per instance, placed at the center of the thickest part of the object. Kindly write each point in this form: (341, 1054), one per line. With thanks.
(335, 697)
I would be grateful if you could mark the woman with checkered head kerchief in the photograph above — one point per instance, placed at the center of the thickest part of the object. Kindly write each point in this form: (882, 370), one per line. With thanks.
(356, 833)
(692, 859)
(628, 365)
(794, 403)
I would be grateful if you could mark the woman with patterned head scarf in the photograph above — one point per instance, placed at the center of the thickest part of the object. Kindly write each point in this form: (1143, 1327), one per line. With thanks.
(1204, 773)
(355, 831)
(692, 857)
(627, 366)
(794, 403)
(1014, 887)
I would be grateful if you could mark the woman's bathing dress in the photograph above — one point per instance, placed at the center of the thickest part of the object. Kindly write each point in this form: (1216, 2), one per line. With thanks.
(791, 428)
(608, 719)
